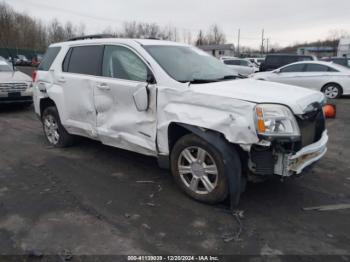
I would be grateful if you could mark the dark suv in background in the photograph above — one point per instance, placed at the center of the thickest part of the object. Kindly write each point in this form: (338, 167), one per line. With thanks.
(275, 61)
(344, 61)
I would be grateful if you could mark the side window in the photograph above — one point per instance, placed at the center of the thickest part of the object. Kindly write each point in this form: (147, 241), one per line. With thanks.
(66, 61)
(85, 60)
(331, 69)
(232, 62)
(48, 59)
(120, 62)
(244, 63)
(316, 68)
(293, 68)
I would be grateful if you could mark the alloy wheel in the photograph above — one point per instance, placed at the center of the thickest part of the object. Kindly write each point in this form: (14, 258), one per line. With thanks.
(198, 170)
(51, 129)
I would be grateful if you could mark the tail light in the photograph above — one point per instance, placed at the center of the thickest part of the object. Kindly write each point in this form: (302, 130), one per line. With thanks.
(34, 75)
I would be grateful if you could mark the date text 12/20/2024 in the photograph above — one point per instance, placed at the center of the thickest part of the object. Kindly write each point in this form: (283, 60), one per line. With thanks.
(173, 258)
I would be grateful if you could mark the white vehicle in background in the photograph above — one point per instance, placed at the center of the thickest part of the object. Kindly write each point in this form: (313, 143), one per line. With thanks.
(241, 66)
(15, 86)
(179, 104)
(256, 60)
(330, 78)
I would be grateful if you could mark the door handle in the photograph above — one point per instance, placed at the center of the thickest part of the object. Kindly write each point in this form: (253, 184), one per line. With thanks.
(42, 87)
(103, 86)
(61, 80)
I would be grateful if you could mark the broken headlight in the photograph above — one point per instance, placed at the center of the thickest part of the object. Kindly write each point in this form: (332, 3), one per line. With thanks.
(275, 121)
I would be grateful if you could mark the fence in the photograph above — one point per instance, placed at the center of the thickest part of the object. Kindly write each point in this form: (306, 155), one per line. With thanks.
(13, 52)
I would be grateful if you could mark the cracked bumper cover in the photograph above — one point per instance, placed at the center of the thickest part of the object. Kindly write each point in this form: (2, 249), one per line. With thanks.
(308, 155)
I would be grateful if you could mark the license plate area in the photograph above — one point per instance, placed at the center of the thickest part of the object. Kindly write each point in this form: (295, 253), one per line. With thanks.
(14, 94)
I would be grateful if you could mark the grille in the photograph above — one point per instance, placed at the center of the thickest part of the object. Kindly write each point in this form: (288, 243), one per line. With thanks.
(312, 125)
(13, 87)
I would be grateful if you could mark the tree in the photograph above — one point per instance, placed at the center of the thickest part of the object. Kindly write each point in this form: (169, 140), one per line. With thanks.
(215, 36)
(200, 39)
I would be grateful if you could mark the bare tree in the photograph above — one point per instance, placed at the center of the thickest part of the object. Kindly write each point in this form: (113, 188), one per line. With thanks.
(201, 40)
(215, 35)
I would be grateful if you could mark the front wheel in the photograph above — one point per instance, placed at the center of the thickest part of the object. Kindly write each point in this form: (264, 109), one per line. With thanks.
(332, 91)
(198, 168)
(55, 133)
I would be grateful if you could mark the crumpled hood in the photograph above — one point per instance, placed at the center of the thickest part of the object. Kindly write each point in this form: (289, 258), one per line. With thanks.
(297, 98)
(10, 77)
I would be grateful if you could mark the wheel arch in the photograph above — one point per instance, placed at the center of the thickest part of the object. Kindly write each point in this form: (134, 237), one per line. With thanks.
(45, 103)
(219, 141)
(178, 130)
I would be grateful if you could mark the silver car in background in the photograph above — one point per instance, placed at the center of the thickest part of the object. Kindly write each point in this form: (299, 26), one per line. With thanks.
(15, 86)
(330, 78)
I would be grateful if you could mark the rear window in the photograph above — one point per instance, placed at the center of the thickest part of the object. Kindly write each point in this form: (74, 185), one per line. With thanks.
(85, 60)
(48, 59)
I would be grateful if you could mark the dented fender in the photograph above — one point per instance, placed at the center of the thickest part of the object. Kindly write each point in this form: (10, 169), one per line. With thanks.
(232, 118)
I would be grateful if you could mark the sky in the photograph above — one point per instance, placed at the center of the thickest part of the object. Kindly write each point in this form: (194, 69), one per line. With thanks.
(285, 22)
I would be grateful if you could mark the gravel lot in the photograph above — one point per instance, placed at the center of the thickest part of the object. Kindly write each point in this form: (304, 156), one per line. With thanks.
(89, 199)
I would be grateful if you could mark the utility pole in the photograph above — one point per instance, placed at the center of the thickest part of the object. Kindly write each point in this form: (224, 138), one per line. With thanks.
(267, 45)
(262, 42)
(238, 47)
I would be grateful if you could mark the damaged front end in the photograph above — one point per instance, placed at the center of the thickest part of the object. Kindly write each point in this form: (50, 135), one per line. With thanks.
(285, 155)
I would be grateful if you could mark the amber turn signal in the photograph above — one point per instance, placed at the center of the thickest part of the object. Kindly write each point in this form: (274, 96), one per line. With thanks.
(330, 111)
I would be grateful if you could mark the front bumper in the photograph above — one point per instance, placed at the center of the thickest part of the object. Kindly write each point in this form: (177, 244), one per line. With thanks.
(308, 155)
(277, 160)
(16, 97)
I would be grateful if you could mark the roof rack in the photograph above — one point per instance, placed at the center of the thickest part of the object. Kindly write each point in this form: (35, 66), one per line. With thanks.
(86, 37)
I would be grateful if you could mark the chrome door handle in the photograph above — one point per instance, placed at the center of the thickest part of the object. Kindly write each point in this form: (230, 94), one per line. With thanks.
(61, 80)
(42, 87)
(103, 86)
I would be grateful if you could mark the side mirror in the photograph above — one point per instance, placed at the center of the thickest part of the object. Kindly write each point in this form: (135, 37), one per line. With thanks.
(150, 78)
(277, 71)
(141, 98)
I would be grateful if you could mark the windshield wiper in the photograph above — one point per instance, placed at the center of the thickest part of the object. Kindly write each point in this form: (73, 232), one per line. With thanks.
(202, 81)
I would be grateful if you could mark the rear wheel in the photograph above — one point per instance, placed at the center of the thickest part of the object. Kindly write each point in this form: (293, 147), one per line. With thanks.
(332, 91)
(198, 168)
(55, 133)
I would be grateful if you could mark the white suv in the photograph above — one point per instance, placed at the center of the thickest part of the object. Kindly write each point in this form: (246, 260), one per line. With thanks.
(175, 102)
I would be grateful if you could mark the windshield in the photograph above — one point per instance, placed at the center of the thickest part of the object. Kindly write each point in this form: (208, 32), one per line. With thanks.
(189, 64)
(5, 67)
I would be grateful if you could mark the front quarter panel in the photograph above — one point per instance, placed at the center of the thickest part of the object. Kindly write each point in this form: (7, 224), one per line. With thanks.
(230, 117)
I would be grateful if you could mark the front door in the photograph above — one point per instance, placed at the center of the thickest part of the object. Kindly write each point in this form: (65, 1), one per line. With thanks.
(119, 123)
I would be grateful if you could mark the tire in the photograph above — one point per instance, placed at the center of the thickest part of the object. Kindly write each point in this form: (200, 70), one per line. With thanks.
(332, 91)
(54, 132)
(209, 186)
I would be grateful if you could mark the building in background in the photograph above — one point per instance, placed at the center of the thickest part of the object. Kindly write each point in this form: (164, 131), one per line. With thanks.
(344, 47)
(219, 50)
(318, 51)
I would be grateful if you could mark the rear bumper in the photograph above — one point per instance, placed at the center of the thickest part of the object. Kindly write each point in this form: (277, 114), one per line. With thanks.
(308, 155)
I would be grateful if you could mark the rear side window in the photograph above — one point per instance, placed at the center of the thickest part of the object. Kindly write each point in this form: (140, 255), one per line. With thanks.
(85, 60)
(319, 68)
(232, 62)
(48, 59)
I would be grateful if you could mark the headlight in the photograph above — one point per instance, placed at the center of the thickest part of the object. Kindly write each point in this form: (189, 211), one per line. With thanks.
(275, 120)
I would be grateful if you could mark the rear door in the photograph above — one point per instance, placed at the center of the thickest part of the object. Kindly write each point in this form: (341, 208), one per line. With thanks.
(81, 67)
(316, 75)
(119, 123)
(291, 75)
